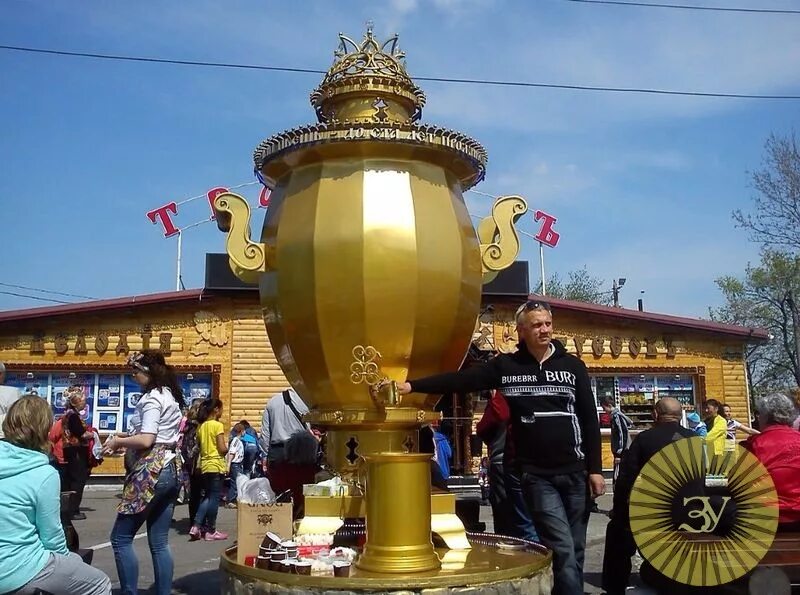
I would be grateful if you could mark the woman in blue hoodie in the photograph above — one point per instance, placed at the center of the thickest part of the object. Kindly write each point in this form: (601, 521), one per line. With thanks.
(33, 550)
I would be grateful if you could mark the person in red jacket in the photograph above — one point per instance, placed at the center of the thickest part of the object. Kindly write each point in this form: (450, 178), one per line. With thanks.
(509, 511)
(778, 449)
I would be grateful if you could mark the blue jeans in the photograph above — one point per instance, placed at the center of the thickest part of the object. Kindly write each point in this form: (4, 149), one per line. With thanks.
(206, 516)
(158, 516)
(518, 515)
(557, 504)
(250, 457)
(236, 470)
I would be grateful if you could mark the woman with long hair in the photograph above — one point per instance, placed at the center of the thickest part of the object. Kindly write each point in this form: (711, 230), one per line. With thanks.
(33, 550)
(211, 438)
(151, 485)
(75, 444)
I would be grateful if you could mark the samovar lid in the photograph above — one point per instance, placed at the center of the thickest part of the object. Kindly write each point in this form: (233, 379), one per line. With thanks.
(369, 74)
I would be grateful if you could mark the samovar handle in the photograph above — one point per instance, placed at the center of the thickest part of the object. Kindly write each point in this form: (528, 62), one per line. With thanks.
(498, 237)
(247, 259)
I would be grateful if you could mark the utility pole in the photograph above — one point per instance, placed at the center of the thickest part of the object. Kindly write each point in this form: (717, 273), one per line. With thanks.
(615, 287)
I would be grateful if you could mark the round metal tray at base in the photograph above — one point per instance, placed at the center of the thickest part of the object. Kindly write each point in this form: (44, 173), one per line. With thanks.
(488, 567)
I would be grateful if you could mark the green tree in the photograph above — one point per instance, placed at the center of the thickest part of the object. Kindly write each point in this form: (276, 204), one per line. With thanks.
(768, 296)
(579, 286)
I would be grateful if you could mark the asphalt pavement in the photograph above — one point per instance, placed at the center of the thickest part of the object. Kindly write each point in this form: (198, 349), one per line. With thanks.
(197, 563)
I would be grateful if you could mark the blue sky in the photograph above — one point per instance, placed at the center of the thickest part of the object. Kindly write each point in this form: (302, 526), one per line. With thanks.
(643, 186)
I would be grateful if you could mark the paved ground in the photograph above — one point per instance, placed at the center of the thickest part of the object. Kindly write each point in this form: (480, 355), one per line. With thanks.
(196, 563)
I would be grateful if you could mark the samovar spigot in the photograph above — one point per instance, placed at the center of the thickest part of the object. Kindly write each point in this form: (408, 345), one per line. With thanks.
(385, 394)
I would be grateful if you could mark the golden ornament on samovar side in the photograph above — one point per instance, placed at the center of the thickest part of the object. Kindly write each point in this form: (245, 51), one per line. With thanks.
(369, 268)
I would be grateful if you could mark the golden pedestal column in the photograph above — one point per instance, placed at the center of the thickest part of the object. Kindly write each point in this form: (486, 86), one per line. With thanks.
(398, 527)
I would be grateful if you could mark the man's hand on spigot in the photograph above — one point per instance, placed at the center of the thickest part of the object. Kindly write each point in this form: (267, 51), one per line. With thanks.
(403, 388)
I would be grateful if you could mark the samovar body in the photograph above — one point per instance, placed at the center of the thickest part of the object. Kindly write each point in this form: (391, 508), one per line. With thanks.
(374, 253)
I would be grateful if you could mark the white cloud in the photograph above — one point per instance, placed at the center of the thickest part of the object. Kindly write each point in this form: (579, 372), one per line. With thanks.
(669, 160)
(403, 7)
(543, 182)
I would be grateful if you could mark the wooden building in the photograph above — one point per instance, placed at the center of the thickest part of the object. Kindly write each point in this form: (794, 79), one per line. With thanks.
(216, 340)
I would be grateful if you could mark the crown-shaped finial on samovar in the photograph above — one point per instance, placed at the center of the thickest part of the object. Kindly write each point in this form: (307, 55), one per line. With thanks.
(368, 82)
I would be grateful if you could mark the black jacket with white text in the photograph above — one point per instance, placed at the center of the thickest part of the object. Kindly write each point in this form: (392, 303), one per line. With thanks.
(553, 412)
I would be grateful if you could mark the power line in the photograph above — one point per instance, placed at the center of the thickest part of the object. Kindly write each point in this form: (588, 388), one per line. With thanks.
(48, 291)
(486, 82)
(33, 297)
(161, 60)
(690, 7)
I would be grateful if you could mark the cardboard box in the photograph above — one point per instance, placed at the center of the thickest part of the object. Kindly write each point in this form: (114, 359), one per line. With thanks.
(253, 522)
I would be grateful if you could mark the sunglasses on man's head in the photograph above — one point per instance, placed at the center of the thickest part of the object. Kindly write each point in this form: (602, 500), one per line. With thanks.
(533, 305)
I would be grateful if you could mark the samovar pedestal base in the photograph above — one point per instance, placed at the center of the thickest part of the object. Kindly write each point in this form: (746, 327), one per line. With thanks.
(487, 567)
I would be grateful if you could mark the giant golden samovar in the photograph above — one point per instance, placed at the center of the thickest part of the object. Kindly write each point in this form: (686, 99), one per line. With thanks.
(369, 268)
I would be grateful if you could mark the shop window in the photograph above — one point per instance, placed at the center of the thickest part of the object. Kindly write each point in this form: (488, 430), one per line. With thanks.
(603, 386)
(636, 394)
(110, 397)
(678, 386)
(30, 383)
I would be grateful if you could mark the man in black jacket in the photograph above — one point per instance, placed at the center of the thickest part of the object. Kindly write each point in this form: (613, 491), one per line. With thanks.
(620, 545)
(556, 433)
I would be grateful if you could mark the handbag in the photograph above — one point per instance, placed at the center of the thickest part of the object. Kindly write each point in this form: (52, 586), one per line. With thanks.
(297, 447)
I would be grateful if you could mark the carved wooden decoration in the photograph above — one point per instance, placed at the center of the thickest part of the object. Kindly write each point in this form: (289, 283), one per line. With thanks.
(483, 336)
(652, 349)
(80, 344)
(37, 344)
(579, 341)
(122, 345)
(101, 343)
(60, 344)
(493, 334)
(509, 338)
(165, 343)
(616, 346)
(146, 336)
(212, 331)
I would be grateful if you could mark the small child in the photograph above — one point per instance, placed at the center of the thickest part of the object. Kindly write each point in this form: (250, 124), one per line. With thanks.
(235, 459)
(696, 424)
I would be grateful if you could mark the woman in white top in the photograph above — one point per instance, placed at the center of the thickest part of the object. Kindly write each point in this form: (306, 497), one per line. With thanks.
(151, 485)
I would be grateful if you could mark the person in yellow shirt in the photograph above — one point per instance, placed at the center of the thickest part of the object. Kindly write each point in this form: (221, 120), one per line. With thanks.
(717, 426)
(211, 463)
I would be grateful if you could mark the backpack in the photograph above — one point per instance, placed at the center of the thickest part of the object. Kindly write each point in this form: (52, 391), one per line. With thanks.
(190, 447)
(68, 438)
